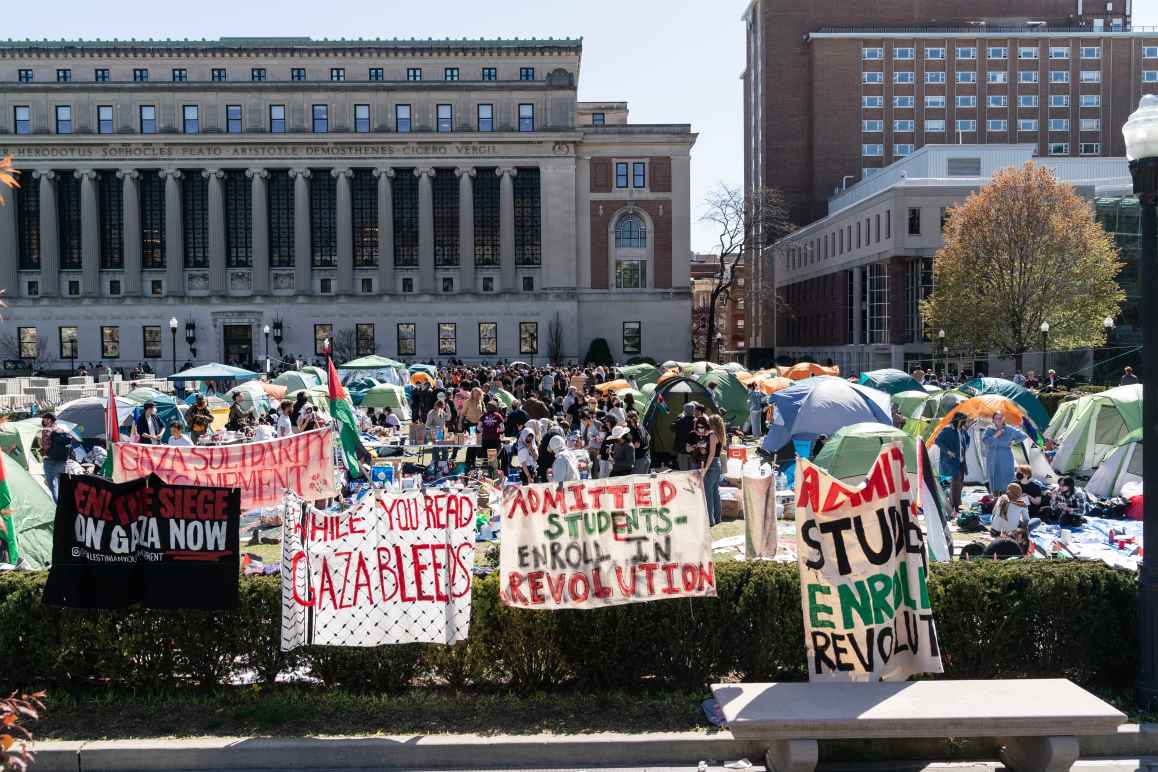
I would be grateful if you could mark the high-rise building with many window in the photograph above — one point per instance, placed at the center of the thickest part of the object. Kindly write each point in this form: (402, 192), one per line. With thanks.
(441, 199)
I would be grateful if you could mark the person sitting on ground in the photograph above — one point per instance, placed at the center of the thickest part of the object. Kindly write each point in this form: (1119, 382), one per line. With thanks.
(389, 419)
(1069, 503)
(177, 436)
(1014, 545)
(1034, 490)
(1010, 512)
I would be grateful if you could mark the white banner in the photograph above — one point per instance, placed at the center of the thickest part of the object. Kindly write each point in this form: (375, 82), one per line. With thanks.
(863, 569)
(594, 543)
(395, 568)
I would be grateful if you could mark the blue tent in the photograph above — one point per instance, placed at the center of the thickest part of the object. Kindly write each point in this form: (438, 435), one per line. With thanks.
(890, 380)
(213, 372)
(1018, 395)
(822, 405)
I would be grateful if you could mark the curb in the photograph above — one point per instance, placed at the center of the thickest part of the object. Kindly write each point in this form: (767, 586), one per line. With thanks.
(451, 751)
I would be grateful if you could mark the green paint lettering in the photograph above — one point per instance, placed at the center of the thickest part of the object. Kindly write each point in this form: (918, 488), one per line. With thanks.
(815, 608)
(854, 597)
(880, 588)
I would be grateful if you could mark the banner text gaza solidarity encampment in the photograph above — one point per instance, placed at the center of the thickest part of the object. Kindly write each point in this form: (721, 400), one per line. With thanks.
(597, 543)
(863, 568)
(303, 463)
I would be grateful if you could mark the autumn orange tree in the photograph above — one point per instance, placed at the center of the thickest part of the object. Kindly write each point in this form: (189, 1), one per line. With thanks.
(1023, 250)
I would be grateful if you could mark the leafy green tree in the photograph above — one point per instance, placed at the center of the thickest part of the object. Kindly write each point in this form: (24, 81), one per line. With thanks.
(599, 353)
(1023, 250)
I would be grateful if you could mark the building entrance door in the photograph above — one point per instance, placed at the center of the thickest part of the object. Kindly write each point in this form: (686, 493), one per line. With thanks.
(238, 344)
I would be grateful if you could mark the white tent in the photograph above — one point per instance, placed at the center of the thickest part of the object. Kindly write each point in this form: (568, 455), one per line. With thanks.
(1123, 465)
(1025, 453)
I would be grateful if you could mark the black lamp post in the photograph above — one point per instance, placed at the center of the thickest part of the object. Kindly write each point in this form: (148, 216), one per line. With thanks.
(266, 331)
(1141, 135)
(173, 323)
(278, 335)
(1045, 351)
(191, 338)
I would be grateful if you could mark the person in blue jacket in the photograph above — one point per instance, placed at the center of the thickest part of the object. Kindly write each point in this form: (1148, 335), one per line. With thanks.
(953, 442)
(999, 440)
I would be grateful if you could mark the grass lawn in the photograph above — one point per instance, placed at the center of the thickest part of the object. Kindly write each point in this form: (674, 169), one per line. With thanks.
(294, 710)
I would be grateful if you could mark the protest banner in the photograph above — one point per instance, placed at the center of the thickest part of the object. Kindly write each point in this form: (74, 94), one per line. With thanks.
(594, 543)
(863, 569)
(395, 568)
(144, 541)
(264, 471)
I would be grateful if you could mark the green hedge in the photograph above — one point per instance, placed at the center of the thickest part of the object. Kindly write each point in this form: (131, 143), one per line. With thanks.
(1075, 620)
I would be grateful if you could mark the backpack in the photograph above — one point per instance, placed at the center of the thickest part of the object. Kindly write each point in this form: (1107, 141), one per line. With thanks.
(58, 447)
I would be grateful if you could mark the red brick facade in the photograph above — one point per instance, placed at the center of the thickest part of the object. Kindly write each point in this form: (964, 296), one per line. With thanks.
(659, 210)
(815, 311)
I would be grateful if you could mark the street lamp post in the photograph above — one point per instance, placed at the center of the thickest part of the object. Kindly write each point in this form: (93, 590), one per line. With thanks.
(1141, 135)
(1108, 326)
(173, 331)
(266, 331)
(941, 343)
(719, 346)
(1045, 350)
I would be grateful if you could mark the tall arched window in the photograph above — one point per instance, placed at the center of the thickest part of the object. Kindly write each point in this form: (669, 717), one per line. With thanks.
(630, 232)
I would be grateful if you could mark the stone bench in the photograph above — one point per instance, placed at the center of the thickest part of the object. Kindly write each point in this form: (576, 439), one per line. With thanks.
(1037, 719)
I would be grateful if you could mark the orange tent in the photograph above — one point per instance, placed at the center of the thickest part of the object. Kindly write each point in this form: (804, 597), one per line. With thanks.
(274, 391)
(672, 373)
(804, 370)
(615, 385)
(772, 384)
(421, 377)
(983, 406)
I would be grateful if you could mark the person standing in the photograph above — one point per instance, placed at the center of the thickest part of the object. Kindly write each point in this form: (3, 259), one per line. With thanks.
(683, 432)
(436, 421)
(285, 425)
(1128, 377)
(756, 402)
(55, 450)
(641, 440)
(622, 453)
(199, 418)
(564, 468)
(238, 415)
(149, 426)
(998, 440)
(711, 469)
(953, 442)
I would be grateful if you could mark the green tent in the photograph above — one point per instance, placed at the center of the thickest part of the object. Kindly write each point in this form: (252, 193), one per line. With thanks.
(730, 396)
(1019, 395)
(385, 395)
(33, 514)
(1061, 420)
(143, 394)
(317, 372)
(372, 362)
(909, 403)
(735, 367)
(1098, 424)
(667, 402)
(296, 380)
(504, 398)
(253, 397)
(851, 450)
(643, 374)
(318, 396)
(890, 380)
(21, 441)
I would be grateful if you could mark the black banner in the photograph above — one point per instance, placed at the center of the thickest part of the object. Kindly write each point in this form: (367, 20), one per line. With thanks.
(144, 541)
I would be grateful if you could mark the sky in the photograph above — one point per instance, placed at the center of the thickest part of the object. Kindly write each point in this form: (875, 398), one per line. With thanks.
(672, 61)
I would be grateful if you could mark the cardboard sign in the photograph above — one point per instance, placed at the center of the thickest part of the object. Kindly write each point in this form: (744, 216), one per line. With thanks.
(396, 568)
(264, 471)
(163, 546)
(594, 543)
(863, 565)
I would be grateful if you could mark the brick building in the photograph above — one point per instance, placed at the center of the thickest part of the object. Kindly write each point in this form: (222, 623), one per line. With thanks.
(730, 309)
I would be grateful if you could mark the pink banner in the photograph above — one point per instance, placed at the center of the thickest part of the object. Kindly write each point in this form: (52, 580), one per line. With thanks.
(303, 463)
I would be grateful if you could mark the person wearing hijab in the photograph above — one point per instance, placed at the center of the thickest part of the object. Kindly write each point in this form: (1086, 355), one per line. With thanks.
(998, 441)
(565, 467)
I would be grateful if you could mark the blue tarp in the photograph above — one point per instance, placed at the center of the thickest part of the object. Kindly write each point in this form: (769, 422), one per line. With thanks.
(821, 405)
(213, 372)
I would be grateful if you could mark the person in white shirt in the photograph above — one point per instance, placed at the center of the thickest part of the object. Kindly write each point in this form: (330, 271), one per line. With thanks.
(263, 431)
(177, 437)
(285, 426)
(547, 385)
(566, 466)
(390, 420)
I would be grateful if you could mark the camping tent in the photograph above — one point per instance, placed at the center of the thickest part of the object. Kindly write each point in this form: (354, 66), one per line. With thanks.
(1099, 422)
(850, 452)
(822, 405)
(1122, 465)
(318, 372)
(253, 397)
(642, 373)
(1061, 420)
(387, 395)
(734, 367)
(615, 385)
(730, 395)
(504, 397)
(213, 371)
(21, 441)
(296, 380)
(430, 370)
(318, 396)
(143, 394)
(420, 376)
(33, 514)
(667, 402)
(1020, 395)
(910, 403)
(980, 410)
(88, 413)
(803, 370)
(890, 380)
(372, 362)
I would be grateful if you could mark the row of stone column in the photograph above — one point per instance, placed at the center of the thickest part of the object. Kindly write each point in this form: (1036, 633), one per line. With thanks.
(260, 282)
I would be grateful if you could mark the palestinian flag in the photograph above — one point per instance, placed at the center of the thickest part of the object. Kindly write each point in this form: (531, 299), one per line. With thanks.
(112, 432)
(343, 412)
(8, 531)
(661, 404)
